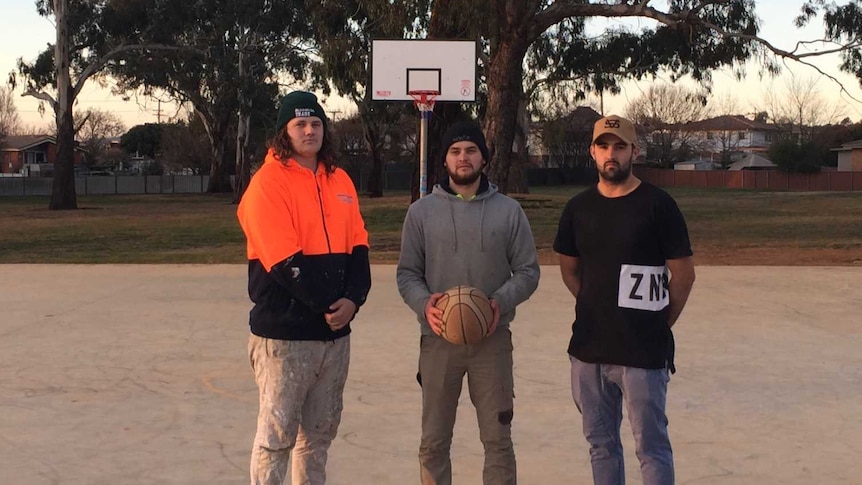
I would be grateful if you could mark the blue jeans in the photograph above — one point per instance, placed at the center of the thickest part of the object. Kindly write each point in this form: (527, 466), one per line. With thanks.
(599, 391)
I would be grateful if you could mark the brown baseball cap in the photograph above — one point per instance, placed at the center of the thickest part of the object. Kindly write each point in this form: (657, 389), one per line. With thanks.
(615, 125)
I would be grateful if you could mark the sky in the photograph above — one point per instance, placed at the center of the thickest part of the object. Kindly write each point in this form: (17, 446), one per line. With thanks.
(25, 34)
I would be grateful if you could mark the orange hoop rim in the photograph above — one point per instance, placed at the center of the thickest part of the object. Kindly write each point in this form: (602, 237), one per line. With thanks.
(424, 99)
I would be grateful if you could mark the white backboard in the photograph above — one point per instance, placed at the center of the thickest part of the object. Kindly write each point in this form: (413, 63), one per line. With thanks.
(398, 66)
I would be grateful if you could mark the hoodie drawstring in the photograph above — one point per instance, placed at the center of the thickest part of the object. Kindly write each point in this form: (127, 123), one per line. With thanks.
(454, 232)
(481, 227)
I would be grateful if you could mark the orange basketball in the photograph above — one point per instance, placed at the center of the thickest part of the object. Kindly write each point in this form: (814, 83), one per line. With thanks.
(467, 315)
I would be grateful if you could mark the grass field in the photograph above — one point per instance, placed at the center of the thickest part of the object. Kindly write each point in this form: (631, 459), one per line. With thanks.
(727, 227)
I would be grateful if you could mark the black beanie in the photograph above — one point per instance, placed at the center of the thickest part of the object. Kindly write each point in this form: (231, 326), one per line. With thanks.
(465, 131)
(298, 104)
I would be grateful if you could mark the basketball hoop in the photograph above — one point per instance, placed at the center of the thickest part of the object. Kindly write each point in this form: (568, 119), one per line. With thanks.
(424, 100)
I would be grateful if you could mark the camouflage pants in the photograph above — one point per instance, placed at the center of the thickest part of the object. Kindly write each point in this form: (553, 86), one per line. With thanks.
(301, 387)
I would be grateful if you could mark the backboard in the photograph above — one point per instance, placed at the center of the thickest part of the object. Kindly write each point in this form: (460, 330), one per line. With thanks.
(401, 66)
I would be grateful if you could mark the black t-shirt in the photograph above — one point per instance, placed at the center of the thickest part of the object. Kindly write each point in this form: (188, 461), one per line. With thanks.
(622, 244)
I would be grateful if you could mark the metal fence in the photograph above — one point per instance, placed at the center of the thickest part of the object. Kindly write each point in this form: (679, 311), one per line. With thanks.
(113, 184)
(165, 184)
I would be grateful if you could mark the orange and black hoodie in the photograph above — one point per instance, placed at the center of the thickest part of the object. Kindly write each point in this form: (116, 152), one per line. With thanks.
(307, 247)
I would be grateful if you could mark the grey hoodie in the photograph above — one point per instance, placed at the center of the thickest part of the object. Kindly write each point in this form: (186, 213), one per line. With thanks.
(485, 242)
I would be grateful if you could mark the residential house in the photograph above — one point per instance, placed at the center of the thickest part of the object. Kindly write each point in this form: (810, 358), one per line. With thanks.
(732, 133)
(850, 156)
(31, 155)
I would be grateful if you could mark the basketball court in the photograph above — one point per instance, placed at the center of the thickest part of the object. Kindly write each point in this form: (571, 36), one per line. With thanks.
(139, 375)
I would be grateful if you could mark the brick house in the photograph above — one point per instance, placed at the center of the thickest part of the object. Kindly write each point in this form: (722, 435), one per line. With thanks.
(31, 155)
(732, 133)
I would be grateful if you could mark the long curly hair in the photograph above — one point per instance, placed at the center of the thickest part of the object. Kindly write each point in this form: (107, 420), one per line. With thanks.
(280, 145)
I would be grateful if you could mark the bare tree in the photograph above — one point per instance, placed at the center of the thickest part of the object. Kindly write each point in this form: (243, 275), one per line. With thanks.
(800, 108)
(10, 122)
(93, 127)
(29, 129)
(662, 111)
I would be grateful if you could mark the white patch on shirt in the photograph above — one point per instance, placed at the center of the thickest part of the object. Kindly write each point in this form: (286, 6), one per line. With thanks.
(346, 198)
(643, 287)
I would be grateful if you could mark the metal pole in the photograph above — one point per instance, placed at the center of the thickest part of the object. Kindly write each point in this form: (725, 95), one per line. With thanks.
(423, 153)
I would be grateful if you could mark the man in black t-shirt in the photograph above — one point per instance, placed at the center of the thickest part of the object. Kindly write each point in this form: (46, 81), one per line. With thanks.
(626, 258)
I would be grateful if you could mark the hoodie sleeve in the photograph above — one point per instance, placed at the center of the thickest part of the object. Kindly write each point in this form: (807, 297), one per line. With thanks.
(525, 266)
(410, 273)
(262, 204)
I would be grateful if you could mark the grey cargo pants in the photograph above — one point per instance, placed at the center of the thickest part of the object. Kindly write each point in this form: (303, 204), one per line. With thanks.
(488, 366)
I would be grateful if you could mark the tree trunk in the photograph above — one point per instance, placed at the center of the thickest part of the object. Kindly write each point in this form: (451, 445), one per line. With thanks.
(243, 169)
(505, 87)
(63, 188)
(521, 158)
(219, 173)
(243, 129)
(63, 194)
(373, 139)
(217, 131)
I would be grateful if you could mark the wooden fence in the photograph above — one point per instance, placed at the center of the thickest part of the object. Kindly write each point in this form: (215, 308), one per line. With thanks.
(751, 179)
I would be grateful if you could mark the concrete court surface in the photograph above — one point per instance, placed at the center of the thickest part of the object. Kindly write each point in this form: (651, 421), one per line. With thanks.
(139, 375)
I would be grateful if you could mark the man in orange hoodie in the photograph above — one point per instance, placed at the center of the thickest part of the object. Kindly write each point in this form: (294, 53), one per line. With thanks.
(308, 274)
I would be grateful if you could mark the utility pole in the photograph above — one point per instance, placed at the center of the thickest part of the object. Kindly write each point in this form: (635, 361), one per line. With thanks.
(159, 112)
(332, 114)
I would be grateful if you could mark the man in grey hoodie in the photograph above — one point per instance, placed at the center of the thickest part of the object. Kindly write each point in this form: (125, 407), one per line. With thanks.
(466, 233)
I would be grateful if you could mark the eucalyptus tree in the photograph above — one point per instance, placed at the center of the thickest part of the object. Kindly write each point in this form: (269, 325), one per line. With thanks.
(236, 55)
(90, 33)
(681, 37)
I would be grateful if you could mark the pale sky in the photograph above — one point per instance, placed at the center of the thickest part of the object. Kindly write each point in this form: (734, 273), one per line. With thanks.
(25, 34)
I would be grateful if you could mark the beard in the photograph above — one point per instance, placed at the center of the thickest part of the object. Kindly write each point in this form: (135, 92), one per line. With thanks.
(616, 175)
(466, 179)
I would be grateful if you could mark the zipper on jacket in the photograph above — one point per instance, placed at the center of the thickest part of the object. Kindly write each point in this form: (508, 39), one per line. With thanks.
(322, 214)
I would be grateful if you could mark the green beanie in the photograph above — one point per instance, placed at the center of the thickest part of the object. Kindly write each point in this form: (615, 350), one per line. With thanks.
(298, 104)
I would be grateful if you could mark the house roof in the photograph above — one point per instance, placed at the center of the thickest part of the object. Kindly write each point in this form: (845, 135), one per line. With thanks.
(751, 160)
(22, 142)
(707, 164)
(729, 123)
(850, 145)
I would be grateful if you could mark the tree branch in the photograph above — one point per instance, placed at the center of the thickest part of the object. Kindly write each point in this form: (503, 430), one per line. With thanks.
(42, 95)
(99, 63)
(561, 10)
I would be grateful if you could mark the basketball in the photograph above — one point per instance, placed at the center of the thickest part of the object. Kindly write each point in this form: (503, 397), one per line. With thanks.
(467, 315)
